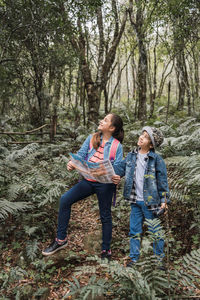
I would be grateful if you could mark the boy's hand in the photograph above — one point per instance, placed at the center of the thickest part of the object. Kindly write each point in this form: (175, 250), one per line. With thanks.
(163, 205)
(116, 179)
(70, 166)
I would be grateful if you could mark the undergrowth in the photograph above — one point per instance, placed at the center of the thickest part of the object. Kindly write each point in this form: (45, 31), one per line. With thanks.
(32, 179)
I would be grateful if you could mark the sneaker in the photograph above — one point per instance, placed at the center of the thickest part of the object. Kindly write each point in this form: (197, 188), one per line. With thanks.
(54, 247)
(106, 254)
(131, 263)
(161, 266)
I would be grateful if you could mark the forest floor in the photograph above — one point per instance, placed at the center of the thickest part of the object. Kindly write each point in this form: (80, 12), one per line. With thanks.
(52, 278)
(84, 241)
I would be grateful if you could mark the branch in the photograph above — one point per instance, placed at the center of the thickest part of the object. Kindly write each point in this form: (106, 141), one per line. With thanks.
(130, 11)
(119, 76)
(26, 132)
(110, 57)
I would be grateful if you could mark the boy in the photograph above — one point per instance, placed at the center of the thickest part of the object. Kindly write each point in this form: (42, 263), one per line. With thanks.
(146, 187)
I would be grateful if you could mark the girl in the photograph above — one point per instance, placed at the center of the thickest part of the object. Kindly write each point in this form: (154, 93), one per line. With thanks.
(110, 131)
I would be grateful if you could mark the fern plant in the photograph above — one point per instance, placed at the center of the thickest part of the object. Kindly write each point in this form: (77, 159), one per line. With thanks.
(7, 207)
(95, 287)
(144, 281)
(187, 273)
(32, 249)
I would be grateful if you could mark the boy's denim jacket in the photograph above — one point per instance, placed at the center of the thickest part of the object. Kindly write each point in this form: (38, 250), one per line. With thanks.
(155, 178)
(87, 153)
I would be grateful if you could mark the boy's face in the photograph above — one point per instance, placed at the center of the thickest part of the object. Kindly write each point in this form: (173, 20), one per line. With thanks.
(144, 141)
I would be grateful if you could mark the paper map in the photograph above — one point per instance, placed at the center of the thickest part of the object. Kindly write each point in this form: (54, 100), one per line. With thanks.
(101, 172)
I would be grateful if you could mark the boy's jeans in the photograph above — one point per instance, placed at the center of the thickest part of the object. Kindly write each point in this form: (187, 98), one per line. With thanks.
(81, 190)
(139, 212)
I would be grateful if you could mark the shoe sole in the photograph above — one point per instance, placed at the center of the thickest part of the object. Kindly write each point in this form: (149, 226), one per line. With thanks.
(50, 253)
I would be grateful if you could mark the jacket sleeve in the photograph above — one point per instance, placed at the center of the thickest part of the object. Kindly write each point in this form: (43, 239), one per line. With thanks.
(162, 182)
(120, 167)
(84, 148)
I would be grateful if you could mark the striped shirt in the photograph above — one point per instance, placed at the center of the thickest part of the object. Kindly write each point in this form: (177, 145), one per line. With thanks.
(97, 157)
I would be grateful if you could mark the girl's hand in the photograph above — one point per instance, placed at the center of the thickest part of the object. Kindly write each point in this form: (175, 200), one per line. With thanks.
(116, 179)
(70, 166)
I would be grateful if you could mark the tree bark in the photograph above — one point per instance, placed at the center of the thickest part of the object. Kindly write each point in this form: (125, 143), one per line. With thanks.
(154, 93)
(138, 26)
(180, 79)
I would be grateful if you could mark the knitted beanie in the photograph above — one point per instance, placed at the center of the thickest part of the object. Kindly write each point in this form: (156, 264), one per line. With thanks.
(155, 135)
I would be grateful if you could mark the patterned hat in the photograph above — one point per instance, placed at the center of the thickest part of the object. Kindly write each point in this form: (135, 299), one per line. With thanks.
(155, 135)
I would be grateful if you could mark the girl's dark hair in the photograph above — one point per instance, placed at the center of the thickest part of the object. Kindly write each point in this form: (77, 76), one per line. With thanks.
(118, 133)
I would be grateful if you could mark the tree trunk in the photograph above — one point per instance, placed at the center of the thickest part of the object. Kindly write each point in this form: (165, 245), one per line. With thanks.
(181, 80)
(118, 95)
(138, 25)
(141, 81)
(106, 101)
(168, 101)
(134, 75)
(154, 94)
(196, 75)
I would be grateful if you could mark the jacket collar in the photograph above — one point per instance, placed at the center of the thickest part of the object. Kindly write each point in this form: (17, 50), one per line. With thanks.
(151, 152)
(109, 141)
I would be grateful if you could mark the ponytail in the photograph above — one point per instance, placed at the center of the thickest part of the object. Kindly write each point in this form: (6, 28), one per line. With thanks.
(118, 124)
(119, 135)
(96, 140)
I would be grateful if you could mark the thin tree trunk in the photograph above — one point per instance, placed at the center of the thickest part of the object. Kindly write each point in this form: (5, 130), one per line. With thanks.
(118, 78)
(196, 76)
(164, 77)
(127, 74)
(181, 81)
(168, 101)
(64, 87)
(134, 75)
(154, 94)
(106, 101)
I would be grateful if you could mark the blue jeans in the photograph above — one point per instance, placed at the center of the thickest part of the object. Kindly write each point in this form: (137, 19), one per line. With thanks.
(81, 190)
(139, 212)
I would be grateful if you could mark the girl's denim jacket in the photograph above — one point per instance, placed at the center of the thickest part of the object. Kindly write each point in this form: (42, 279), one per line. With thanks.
(155, 188)
(87, 153)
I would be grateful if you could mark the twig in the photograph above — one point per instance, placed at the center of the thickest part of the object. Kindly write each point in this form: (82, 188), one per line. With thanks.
(30, 142)
(26, 132)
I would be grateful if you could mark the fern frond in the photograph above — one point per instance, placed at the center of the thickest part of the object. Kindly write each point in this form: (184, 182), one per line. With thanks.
(190, 270)
(155, 230)
(17, 189)
(32, 249)
(22, 153)
(53, 192)
(85, 269)
(7, 207)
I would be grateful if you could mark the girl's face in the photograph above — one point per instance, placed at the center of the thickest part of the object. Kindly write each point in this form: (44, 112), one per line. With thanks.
(144, 141)
(105, 125)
